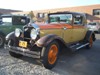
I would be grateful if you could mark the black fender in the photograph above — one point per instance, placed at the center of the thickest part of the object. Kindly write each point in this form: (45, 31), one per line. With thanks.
(45, 40)
(89, 34)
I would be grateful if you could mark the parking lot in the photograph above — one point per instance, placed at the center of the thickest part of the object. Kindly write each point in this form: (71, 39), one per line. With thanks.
(82, 62)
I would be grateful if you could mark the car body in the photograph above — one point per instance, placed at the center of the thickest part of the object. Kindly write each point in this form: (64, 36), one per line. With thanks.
(9, 23)
(94, 26)
(44, 41)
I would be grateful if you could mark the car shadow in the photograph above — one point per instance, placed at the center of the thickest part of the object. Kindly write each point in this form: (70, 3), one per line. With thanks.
(31, 60)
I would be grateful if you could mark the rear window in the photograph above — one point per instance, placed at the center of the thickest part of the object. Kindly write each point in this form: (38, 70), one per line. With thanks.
(91, 23)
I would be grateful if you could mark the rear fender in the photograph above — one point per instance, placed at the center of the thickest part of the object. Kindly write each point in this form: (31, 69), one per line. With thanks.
(89, 34)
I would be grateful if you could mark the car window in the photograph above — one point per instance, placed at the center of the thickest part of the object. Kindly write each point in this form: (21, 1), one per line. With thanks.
(18, 20)
(6, 21)
(78, 20)
(92, 23)
(61, 18)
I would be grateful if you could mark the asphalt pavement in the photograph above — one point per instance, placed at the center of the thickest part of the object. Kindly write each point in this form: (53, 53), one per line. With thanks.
(82, 62)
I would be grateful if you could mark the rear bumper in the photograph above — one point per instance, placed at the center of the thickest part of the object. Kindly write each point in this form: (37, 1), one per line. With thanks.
(23, 51)
(95, 30)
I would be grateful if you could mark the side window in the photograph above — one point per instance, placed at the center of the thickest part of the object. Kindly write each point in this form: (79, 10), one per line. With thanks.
(18, 20)
(78, 20)
(6, 21)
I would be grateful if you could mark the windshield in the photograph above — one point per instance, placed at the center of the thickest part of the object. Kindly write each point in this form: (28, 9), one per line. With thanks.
(6, 21)
(92, 24)
(61, 18)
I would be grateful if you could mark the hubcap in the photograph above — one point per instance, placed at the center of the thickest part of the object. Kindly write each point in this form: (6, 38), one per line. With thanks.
(52, 55)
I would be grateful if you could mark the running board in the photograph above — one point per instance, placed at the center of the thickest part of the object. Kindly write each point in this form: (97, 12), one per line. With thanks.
(78, 46)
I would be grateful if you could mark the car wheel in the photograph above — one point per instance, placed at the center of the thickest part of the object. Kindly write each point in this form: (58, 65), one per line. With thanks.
(2, 40)
(11, 42)
(50, 55)
(90, 43)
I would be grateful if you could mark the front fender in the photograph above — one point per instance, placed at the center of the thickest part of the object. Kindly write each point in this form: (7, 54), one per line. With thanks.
(45, 40)
(10, 36)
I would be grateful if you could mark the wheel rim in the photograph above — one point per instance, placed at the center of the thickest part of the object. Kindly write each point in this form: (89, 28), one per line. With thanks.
(90, 42)
(52, 55)
(1, 41)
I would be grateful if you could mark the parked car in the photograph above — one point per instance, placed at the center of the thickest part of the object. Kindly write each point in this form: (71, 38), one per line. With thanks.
(94, 26)
(45, 41)
(9, 23)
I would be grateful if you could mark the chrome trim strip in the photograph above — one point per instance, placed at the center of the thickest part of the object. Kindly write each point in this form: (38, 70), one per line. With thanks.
(82, 46)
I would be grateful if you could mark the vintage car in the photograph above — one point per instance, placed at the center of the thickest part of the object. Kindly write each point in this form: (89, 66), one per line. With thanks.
(94, 26)
(45, 41)
(9, 23)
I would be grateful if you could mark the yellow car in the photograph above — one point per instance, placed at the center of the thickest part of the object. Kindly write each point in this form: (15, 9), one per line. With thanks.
(45, 41)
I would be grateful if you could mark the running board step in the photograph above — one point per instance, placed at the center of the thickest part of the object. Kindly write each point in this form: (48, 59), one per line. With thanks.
(78, 46)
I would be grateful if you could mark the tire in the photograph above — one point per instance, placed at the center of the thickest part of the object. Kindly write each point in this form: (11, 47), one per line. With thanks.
(49, 58)
(15, 54)
(2, 40)
(90, 43)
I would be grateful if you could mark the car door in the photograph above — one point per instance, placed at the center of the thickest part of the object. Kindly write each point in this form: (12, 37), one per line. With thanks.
(67, 33)
(6, 25)
(67, 27)
(79, 30)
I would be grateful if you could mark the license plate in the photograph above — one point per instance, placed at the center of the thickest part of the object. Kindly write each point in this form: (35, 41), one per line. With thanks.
(23, 44)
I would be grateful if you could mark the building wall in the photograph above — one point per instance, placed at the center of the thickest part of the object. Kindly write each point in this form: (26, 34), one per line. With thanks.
(83, 9)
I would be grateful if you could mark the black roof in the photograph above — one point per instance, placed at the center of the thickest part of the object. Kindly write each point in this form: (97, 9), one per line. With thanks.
(68, 12)
(10, 15)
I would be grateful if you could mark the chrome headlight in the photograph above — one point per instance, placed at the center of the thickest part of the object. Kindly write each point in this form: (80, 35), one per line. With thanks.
(34, 33)
(17, 32)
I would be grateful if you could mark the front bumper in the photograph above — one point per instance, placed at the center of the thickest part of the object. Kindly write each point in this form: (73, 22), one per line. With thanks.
(22, 51)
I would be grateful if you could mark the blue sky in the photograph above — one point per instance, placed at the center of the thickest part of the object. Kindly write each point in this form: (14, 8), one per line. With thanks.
(27, 5)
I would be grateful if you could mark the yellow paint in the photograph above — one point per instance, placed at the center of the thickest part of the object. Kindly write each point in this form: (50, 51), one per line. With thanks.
(68, 35)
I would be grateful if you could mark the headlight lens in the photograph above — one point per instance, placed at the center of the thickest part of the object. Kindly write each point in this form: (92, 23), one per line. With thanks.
(17, 32)
(34, 34)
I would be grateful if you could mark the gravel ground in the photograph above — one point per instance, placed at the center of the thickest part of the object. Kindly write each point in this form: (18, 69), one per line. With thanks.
(23, 66)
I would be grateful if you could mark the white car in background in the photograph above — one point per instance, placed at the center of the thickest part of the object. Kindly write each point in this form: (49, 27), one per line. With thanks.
(94, 26)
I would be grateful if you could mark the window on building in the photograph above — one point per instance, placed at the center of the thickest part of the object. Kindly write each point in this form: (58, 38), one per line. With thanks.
(40, 15)
(96, 12)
